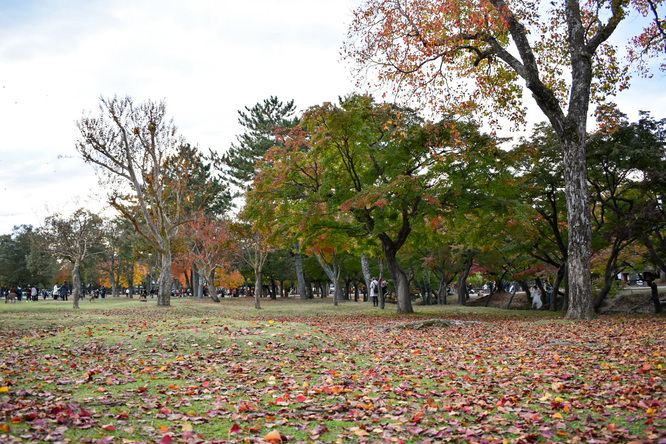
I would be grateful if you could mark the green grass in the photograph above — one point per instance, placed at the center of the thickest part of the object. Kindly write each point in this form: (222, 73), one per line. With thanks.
(127, 371)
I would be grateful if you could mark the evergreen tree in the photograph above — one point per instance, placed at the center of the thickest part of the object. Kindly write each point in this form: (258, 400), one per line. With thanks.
(261, 123)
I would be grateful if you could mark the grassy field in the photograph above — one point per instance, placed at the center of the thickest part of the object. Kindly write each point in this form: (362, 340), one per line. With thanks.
(125, 371)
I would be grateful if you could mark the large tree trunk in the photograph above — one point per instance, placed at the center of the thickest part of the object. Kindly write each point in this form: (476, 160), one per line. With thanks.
(212, 291)
(399, 278)
(116, 285)
(462, 281)
(365, 269)
(300, 276)
(113, 278)
(130, 280)
(308, 288)
(200, 287)
(580, 231)
(197, 282)
(165, 281)
(333, 273)
(76, 280)
(571, 130)
(258, 287)
(441, 291)
(654, 296)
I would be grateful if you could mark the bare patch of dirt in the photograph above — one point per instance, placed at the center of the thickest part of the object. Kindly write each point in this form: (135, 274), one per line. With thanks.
(499, 300)
(631, 300)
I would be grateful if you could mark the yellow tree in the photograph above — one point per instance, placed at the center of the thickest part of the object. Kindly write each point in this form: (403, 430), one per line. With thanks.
(481, 55)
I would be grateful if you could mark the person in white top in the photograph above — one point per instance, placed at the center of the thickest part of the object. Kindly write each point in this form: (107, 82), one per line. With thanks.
(536, 298)
(374, 292)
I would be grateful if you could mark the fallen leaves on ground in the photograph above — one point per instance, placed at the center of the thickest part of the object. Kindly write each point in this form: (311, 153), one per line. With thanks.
(145, 376)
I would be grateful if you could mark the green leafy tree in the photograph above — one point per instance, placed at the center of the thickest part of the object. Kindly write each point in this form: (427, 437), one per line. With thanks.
(42, 264)
(364, 169)
(627, 174)
(14, 251)
(476, 56)
(539, 227)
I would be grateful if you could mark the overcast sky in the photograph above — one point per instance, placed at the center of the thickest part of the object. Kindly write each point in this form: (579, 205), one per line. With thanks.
(206, 58)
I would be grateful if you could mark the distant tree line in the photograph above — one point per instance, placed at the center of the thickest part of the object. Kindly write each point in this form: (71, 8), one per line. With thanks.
(341, 193)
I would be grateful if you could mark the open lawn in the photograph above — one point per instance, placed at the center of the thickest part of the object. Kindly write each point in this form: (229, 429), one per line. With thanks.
(124, 371)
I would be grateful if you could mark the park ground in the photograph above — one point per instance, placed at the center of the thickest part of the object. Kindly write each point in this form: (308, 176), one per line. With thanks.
(125, 371)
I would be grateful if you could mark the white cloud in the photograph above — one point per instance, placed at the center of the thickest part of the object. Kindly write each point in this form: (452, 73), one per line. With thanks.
(206, 58)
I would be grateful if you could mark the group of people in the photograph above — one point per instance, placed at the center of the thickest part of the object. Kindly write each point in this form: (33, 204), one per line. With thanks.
(16, 293)
(32, 293)
(60, 292)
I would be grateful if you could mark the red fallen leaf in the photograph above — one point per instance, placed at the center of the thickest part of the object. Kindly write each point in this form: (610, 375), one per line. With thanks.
(16, 420)
(418, 416)
(166, 439)
(244, 407)
(236, 429)
(165, 410)
(5, 428)
(30, 416)
(108, 428)
(301, 398)
(72, 366)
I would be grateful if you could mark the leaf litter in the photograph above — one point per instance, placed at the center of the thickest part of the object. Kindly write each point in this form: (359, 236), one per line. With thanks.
(174, 379)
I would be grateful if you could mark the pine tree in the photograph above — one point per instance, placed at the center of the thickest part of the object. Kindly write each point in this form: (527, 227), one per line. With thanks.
(261, 123)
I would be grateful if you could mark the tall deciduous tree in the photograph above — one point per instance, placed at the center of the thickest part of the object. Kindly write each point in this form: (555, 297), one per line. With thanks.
(364, 169)
(150, 174)
(249, 246)
(473, 55)
(74, 239)
(208, 242)
(628, 181)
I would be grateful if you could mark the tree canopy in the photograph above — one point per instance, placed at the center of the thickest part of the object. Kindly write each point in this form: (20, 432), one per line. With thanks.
(480, 56)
